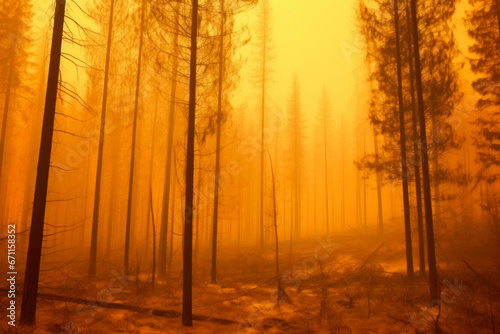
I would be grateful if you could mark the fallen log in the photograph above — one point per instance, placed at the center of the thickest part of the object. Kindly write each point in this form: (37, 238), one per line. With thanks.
(371, 256)
(352, 228)
(171, 314)
(487, 281)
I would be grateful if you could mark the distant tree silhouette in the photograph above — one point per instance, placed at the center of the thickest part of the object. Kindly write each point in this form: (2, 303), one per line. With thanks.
(296, 150)
(325, 109)
(264, 57)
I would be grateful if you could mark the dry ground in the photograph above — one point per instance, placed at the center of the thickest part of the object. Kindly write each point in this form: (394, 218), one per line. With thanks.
(336, 285)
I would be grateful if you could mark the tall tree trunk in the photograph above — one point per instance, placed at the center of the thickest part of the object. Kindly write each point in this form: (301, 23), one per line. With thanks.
(112, 202)
(217, 149)
(342, 198)
(297, 165)
(154, 236)
(275, 218)
(172, 218)
(134, 136)
(437, 188)
(32, 272)
(402, 132)
(187, 311)
(418, 187)
(291, 218)
(151, 163)
(198, 214)
(431, 253)
(315, 191)
(171, 121)
(364, 179)
(97, 195)
(380, 229)
(82, 233)
(262, 140)
(359, 215)
(326, 165)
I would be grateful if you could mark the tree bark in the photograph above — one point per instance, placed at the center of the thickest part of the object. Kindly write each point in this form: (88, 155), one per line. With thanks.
(380, 230)
(97, 194)
(154, 236)
(217, 150)
(275, 216)
(402, 132)
(418, 187)
(364, 180)
(172, 218)
(342, 184)
(134, 136)
(32, 272)
(168, 168)
(297, 161)
(262, 137)
(326, 165)
(433, 279)
(187, 311)
(151, 163)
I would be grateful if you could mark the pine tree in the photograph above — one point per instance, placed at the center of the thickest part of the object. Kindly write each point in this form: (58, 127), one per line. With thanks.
(264, 56)
(97, 191)
(134, 136)
(30, 292)
(296, 149)
(175, 72)
(433, 279)
(484, 28)
(187, 308)
(404, 173)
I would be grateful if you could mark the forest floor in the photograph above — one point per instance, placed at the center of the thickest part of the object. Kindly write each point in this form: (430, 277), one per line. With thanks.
(349, 283)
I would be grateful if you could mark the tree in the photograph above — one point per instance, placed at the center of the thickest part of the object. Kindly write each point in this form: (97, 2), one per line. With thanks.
(227, 69)
(281, 291)
(404, 174)
(296, 148)
(325, 109)
(433, 279)
(97, 191)
(438, 74)
(416, 148)
(264, 57)
(484, 29)
(217, 148)
(134, 135)
(187, 308)
(170, 139)
(30, 292)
